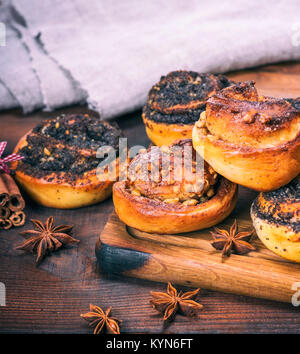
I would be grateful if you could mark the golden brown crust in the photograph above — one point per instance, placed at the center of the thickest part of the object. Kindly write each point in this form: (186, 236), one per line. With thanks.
(164, 204)
(165, 134)
(57, 189)
(251, 140)
(238, 115)
(154, 216)
(276, 218)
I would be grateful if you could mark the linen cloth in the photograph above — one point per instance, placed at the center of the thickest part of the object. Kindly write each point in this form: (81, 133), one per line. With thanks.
(110, 53)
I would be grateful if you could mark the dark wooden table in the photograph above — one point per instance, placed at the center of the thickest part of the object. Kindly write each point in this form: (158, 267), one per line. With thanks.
(50, 298)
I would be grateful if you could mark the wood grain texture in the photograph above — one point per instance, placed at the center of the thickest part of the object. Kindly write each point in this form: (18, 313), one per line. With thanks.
(49, 298)
(273, 80)
(190, 260)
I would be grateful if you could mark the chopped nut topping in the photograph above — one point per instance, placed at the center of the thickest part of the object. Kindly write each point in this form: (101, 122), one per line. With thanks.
(47, 152)
(150, 177)
(190, 202)
(135, 192)
(210, 192)
(171, 200)
(249, 118)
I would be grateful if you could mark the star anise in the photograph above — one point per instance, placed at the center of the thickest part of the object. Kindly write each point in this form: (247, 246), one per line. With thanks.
(232, 241)
(101, 320)
(171, 302)
(46, 238)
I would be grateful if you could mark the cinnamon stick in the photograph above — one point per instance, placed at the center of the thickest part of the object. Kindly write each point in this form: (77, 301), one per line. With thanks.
(4, 193)
(18, 218)
(10, 193)
(16, 202)
(5, 224)
(4, 212)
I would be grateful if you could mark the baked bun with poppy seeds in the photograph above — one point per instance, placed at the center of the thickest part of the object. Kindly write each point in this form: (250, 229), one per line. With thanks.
(59, 165)
(174, 104)
(276, 218)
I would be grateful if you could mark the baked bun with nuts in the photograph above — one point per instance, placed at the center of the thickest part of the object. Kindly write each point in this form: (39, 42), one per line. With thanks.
(60, 163)
(276, 218)
(172, 190)
(174, 104)
(252, 140)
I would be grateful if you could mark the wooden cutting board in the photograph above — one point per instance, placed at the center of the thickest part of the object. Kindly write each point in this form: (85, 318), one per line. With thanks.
(190, 260)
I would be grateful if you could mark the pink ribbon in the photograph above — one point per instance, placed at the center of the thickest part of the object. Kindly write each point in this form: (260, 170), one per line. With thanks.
(9, 158)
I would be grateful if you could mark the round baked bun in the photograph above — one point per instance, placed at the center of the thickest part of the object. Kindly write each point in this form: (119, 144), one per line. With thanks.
(59, 166)
(252, 140)
(276, 218)
(174, 104)
(167, 195)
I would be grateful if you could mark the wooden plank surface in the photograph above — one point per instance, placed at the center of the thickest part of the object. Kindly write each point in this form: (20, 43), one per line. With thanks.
(190, 260)
(49, 298)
